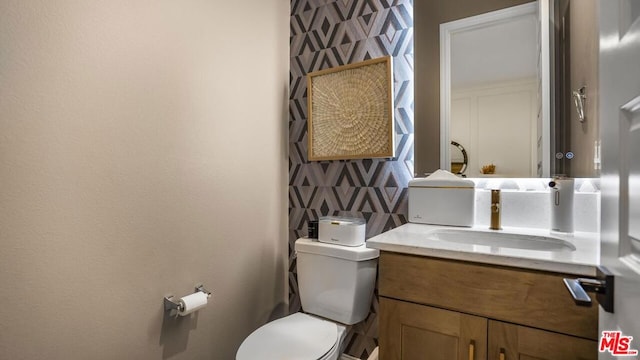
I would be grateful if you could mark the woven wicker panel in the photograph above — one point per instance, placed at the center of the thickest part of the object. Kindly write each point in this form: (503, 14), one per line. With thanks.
(351, 111)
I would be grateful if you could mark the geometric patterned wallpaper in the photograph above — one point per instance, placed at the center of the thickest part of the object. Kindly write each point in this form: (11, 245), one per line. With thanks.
(326, 34)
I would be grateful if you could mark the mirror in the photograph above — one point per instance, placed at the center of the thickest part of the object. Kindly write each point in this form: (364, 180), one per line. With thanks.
(491, 91)
(570, 29)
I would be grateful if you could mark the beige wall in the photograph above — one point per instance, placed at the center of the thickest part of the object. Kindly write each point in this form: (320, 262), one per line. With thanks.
(142, 151)
(584, 72)
(428, 15)
(576, 38)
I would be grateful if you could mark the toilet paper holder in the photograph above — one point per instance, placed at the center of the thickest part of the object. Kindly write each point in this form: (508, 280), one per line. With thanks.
(170, 304)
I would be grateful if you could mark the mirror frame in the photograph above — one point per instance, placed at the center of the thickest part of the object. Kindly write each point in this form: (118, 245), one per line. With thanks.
(479, 21)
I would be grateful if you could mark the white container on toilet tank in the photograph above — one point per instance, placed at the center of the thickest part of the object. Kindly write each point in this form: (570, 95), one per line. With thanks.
(442, 199)
(341, 230)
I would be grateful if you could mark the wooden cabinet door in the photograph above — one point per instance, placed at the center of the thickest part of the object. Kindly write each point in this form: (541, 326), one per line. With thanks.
(516, 342)
(417, 332)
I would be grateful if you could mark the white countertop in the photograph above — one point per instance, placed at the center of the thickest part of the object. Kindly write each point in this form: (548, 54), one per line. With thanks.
(412, 239)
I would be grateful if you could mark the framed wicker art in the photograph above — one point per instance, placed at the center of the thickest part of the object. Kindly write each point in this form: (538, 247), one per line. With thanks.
(351, 111)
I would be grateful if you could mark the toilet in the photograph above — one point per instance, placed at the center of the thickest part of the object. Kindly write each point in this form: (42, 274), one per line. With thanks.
(336, 286)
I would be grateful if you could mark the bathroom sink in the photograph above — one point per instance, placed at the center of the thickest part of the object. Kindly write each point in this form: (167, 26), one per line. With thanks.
(499, 239)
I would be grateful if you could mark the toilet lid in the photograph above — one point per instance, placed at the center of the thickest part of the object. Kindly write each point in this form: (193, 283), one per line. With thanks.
(297, 336)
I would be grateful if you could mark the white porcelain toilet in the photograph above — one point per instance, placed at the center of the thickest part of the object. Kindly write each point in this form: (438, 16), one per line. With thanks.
(336, 286)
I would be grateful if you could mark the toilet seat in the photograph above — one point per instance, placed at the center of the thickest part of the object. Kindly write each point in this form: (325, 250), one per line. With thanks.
(297, 336)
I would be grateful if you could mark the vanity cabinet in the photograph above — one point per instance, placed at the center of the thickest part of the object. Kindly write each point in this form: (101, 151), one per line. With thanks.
(432, 308)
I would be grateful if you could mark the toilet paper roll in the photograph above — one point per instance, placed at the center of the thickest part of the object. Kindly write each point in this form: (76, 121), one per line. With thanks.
(191, 303)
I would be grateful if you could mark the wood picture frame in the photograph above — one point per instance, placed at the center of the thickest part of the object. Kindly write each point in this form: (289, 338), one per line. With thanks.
(350, 111)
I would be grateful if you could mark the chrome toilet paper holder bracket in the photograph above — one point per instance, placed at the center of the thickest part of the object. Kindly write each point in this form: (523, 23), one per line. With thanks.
(170, 304)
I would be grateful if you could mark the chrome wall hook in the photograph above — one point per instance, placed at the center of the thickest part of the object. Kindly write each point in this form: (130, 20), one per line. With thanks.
(579, 98)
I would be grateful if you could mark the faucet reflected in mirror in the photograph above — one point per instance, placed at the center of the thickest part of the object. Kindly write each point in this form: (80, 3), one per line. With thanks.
(459, 159)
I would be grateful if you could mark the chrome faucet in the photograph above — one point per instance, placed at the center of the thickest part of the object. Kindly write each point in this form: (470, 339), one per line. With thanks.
(495, 210)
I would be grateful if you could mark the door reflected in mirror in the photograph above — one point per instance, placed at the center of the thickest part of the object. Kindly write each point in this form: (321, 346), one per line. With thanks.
(492, 85)
(459, 159)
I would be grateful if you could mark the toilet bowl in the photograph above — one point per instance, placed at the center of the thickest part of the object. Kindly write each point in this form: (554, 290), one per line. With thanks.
(336, 286)
(297, 336)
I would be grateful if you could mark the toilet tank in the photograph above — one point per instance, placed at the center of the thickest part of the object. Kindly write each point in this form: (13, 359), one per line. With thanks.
(336, 282)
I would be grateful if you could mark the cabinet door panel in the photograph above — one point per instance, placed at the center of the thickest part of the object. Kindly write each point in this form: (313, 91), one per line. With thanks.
(409, 331)
(417, 342)
(524, 343)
